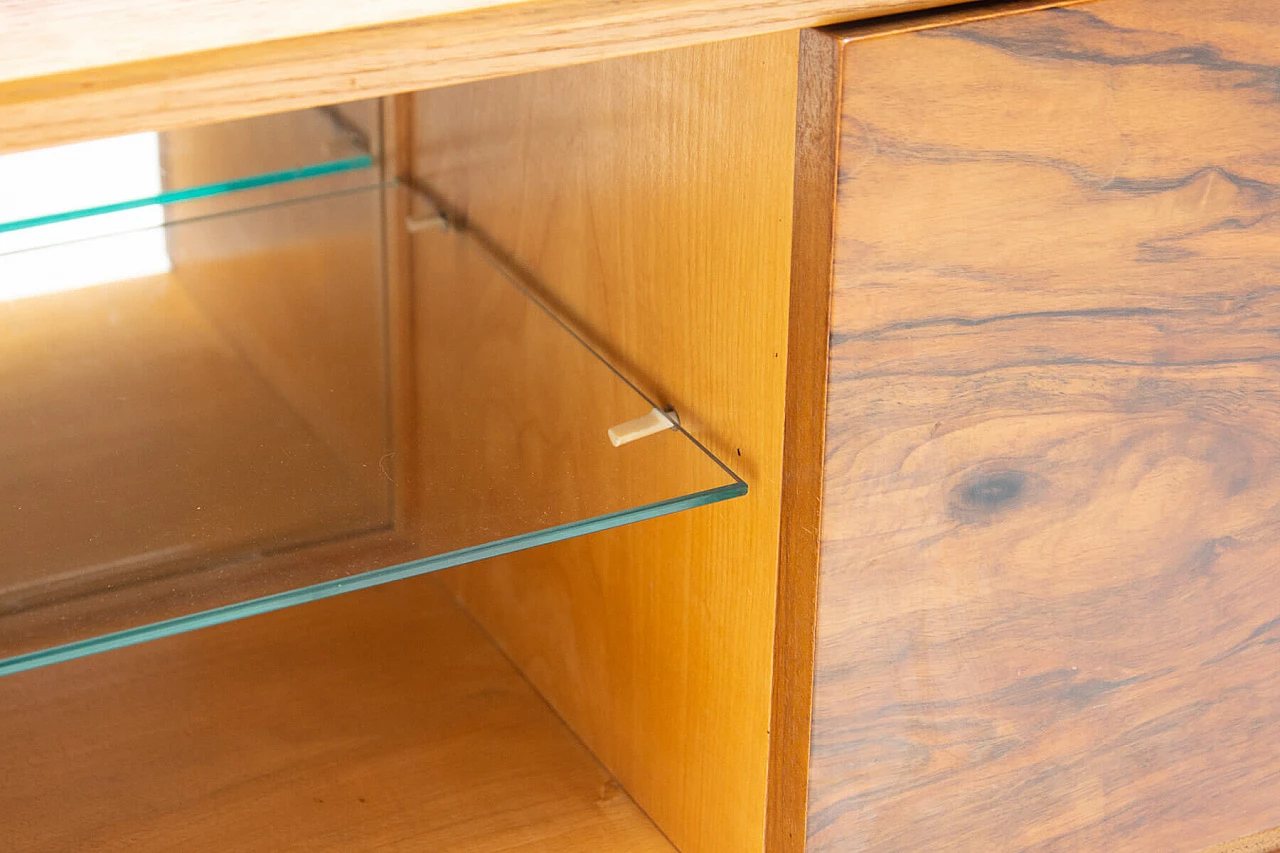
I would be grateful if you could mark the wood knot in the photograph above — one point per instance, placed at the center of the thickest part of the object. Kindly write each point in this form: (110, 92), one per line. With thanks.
(983, 495)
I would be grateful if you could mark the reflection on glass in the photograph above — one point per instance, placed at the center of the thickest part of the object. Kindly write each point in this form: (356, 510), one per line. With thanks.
(72, 192)
(232, 406)
(89, 174)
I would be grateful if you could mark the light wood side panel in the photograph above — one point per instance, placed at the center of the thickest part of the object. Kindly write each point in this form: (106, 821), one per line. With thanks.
(651, 197)
(379, 720)
(1048, 601)
(249, 75)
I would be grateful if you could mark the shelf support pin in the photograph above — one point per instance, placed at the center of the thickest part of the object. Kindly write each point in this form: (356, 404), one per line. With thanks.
(418, 224)
(651, 423)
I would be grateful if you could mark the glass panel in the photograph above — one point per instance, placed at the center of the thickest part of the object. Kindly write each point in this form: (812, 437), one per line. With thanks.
(241, 432)
(88, 189)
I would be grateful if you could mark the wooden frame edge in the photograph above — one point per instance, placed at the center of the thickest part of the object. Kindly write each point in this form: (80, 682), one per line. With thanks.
(931, 19)
(804, 434)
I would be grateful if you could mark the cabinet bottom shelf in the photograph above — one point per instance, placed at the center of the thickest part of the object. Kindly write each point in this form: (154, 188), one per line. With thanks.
(380, 720)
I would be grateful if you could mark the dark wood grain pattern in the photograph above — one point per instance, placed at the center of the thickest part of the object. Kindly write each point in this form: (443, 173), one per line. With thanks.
(1049, 609)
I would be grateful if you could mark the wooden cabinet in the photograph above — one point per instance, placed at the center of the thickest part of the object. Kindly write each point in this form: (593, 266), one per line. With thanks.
(1047, 591)
(976, 301)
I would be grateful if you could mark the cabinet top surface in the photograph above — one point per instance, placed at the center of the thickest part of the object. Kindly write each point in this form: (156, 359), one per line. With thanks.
(69, 36)
(59, 36)
(72, 70)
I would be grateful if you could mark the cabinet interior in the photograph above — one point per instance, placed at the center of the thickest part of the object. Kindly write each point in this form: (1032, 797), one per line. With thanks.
(387, 338)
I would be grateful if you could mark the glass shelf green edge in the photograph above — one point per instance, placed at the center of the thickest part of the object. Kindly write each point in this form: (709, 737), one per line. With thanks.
(376, 577)
(284, 176)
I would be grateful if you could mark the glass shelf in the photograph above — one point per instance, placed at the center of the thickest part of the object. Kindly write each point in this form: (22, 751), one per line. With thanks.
(266, 417)
(89, 189)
